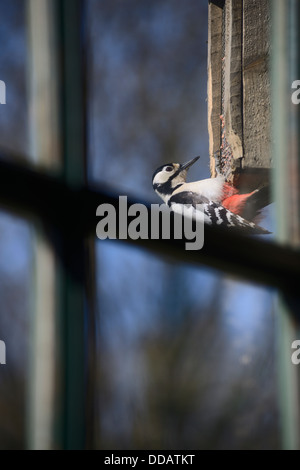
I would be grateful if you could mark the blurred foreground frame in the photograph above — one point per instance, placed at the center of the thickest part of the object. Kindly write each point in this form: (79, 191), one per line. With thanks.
(71, 211)
(64, 206)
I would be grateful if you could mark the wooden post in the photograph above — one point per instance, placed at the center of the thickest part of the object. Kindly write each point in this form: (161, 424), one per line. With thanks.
(256, 93)
(239, 90)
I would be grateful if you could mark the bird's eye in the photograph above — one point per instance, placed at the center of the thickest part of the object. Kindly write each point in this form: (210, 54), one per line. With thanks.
(169, 168)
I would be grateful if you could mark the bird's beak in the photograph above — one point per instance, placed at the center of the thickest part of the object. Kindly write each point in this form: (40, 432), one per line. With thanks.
(186, 166)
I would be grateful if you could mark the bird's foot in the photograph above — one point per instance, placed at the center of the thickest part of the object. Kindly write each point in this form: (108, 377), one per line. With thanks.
(217, 158)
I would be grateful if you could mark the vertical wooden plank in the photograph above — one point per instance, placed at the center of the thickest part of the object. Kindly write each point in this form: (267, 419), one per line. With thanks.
(256, 84)
(214, 71)
(239, 87)
(232, 87)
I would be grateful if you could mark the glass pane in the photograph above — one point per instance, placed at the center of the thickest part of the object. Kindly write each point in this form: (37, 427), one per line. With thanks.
(14, 137)
(16, 301)
(186, 357)
(29, 115)
(147, 77)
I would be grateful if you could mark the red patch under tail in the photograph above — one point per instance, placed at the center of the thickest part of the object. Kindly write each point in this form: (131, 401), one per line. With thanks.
(236, 202)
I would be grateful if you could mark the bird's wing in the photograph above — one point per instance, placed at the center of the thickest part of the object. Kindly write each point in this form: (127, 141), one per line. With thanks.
(214, 213)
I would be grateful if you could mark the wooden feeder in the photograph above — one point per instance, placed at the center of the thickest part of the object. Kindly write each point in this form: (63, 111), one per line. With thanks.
(239, 114)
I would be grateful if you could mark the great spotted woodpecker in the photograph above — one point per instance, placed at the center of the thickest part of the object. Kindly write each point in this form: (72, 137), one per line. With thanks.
(217, 199)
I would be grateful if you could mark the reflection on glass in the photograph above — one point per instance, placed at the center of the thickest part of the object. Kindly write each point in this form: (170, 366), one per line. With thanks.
(146, 105)
(186, 357)
(15, 293)
(13, 54)
(29, 119)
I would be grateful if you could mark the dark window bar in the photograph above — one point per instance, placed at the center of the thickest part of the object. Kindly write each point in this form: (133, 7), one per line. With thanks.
(73, 211)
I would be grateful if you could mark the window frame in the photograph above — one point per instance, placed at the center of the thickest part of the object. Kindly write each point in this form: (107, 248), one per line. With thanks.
(66, 204)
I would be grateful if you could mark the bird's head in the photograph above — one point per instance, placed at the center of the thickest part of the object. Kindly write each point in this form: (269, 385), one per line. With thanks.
(169, 176)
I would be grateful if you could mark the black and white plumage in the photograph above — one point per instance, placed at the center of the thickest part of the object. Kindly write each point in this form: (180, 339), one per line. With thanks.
(169, 182)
